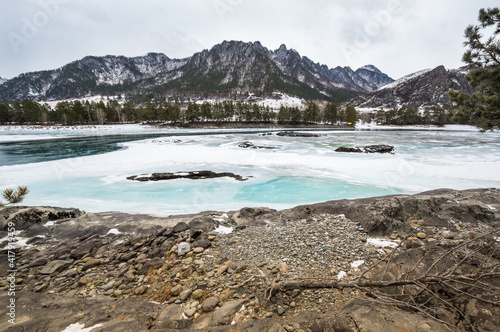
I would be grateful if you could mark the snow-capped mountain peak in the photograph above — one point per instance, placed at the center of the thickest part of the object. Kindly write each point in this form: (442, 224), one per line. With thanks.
(229, 67)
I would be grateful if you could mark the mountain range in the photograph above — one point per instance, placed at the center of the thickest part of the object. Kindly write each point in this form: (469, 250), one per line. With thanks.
(426, 88)
(229, 68)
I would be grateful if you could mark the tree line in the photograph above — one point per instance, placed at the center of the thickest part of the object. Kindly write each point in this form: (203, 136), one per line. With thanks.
(409, 115)
(112, 111)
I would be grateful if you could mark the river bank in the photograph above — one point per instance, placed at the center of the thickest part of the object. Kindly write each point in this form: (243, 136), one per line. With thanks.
(116, 271)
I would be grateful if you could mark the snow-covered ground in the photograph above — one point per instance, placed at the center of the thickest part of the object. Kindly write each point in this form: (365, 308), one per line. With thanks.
(404, 79)
(274, 103)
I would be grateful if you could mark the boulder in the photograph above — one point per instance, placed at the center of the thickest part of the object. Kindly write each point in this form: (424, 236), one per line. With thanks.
(382, 148)
(56, 266)
(222, 316)
(202, 243)
(172, 318)
(348, 149)
(180, 227)
(183, 248)
(250, 145)
(255, 216)
(210, 303)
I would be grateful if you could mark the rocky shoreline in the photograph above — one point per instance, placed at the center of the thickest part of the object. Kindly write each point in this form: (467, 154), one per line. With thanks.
(210, 271)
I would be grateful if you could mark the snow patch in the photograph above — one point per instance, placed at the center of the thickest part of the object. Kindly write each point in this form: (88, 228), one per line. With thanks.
(223, 230)
(341, 275)
(404, 79)
(113, 231)
(356, 264)
(77, 327)
(382, 243)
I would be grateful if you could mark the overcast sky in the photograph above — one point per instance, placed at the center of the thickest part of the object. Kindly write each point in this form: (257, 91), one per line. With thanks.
(398, 36)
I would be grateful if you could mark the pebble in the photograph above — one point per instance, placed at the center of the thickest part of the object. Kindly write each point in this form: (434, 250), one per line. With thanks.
(421, 235)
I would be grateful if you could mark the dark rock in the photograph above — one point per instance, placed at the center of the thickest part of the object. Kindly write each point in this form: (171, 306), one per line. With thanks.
(81, 250)
(367, 149)
(250, 145)
(379, 149)
(347, 149)
(36, 239)
(151, 266)
(203, 223)
(202, 243)
(73, 231)
(180, 227)
(254, 216)
(296, 134)
(56, 266)
(35, 230)
(24, 217)
(196, 175)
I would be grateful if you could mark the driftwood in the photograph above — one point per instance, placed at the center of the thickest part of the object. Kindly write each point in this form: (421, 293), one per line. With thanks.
(439, 284)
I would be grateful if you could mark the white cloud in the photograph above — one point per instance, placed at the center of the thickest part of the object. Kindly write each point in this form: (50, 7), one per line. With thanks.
(398, 36)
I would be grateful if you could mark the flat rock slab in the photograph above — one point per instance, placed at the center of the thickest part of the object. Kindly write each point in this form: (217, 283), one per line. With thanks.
(46, 313)
(56, 266)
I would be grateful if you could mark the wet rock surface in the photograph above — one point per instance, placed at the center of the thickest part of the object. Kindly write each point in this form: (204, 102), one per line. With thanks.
(296, 134)
(367, 149)
(196, 175)
(250, 145)
(141, 272)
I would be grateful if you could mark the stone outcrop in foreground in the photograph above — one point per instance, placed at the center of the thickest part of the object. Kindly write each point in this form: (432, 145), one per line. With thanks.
(116, 271)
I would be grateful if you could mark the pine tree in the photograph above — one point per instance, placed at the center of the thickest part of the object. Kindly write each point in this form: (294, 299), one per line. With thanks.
(482, 107)
(14, 197)
(351, 116)
(311, 113)
(330, 113)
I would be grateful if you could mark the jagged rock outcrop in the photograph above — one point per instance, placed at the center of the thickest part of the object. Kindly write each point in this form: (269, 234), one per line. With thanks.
(387, 214)
(25, 217)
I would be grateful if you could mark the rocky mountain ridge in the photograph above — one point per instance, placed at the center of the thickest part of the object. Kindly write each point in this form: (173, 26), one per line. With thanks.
(230, 67)
(426, 88)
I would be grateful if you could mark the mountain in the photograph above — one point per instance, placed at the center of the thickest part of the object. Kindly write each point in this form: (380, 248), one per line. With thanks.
(232, 67)
(3, 80)
(425, 88)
